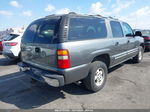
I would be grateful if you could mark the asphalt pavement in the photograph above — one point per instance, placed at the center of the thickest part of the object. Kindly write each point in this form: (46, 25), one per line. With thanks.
(127, 87)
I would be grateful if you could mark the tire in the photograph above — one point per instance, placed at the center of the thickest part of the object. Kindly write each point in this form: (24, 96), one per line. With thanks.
(19, 57)
(97, 76)
(138, 58)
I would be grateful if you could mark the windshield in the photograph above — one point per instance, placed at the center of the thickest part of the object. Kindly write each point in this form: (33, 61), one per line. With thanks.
(145, 32)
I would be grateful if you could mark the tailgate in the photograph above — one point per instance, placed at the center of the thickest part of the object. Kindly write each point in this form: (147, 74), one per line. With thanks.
(43, 56)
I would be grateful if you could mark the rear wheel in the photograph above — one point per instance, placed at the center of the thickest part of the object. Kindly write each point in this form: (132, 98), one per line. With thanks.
(138, 58)
(19, 57)
(96, 79)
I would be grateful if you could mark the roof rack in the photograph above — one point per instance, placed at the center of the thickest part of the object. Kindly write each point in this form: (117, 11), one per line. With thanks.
(71, 13)
(50, 15)
(99, 15)
(112, 18)
(60, 14)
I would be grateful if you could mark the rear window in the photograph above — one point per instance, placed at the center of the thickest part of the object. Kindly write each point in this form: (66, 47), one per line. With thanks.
(47, 31)
(11, 37)
(145, 32)
(30, 32)
(86, 28)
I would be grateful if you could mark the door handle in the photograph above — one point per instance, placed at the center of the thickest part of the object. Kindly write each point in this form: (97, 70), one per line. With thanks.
(117, 43)
(128, 41)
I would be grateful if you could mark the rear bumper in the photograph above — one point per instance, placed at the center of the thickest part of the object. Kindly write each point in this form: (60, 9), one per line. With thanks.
(48, 77)
(9, 55)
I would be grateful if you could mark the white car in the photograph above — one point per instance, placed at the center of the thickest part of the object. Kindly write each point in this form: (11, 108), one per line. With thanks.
(11, 46)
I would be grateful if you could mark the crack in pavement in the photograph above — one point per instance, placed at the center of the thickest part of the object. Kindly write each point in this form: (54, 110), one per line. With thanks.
(82, 106)
(134, 83)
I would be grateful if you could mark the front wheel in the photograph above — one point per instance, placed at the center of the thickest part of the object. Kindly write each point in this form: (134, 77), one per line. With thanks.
(138, 58)
(96, 79)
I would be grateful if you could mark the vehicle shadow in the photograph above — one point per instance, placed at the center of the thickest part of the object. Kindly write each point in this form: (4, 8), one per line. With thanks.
(6, 62)
(115, 68)
(16, 89)
(24, 95)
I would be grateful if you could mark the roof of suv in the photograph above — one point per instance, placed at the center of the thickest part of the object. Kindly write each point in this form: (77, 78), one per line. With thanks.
(73, 14)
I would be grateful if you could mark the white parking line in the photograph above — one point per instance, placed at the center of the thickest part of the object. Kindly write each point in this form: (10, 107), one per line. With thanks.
(11, 78)
(147, 58)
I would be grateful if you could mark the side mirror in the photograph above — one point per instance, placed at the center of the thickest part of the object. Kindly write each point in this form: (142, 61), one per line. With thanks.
(138, 33)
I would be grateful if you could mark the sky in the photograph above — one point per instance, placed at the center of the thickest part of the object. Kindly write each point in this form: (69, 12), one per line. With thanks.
(18, 13)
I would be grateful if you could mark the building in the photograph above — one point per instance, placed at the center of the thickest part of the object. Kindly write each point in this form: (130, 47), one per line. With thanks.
(5, 33)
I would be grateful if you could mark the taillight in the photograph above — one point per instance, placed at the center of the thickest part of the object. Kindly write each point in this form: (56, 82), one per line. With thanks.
(147, 38)
(11, 43)
(63, 59)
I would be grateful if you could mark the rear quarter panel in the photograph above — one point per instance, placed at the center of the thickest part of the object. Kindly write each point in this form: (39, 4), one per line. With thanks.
(83, 52)
(81, 55)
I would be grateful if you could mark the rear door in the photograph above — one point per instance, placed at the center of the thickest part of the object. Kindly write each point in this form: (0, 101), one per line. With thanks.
(120, 42)
(40, 50)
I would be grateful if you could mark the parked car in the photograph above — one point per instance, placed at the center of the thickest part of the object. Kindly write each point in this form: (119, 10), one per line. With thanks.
(146, 36)
(1, 47)
(11, 46)
(62, 49)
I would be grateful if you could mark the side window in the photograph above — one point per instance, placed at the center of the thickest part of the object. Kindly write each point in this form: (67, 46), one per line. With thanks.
(87, 28)
(116, 29)
(30, 32)
(127, 30)
(47, 31)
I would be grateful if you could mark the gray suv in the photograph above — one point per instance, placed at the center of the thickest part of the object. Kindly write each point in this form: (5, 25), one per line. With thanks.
(62, 49)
